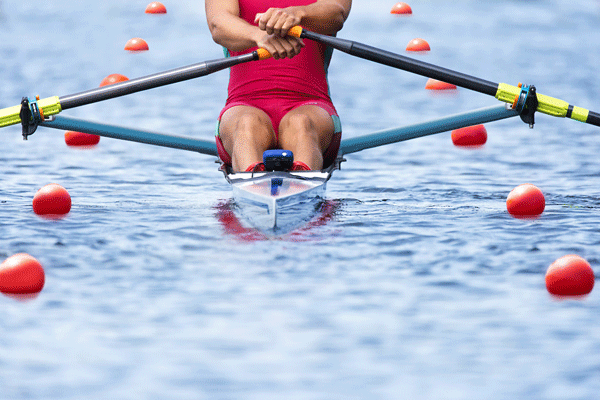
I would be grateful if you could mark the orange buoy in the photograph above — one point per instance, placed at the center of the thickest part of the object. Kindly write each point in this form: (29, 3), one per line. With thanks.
(475, 135)
(113, 78)
(570, 275)
(418, 44)
(156, 8)
(434, 84)
(525, 200)
(81, 139)
(136, 44)
(52, 199)
(401, 9)
(21, 274)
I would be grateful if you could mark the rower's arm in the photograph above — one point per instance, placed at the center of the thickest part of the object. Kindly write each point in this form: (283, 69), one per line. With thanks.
(227, 28)
(325, 16)
(236, 34)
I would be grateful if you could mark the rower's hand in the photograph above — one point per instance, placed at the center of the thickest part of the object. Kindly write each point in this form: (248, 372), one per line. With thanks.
(280, 47)
(278, 21)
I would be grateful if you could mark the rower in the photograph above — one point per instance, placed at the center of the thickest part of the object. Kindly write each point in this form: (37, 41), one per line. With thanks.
(281, 102)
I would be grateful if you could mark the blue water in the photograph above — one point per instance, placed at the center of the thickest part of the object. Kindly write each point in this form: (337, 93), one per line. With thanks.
(413, 283)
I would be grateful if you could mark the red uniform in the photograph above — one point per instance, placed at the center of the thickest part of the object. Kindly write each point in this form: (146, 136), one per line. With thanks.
(279, 86)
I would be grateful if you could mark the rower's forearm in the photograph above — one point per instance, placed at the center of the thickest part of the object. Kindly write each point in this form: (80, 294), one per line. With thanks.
(233, 33)
(229, 30)
(326, 16)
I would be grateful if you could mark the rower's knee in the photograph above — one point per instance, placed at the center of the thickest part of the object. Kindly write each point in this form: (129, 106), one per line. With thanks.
(301, 130)
(249, 123)
(251, 128)
(308, 124)
(299, 122)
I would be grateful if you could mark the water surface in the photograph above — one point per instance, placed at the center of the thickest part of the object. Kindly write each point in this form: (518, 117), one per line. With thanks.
(413, 282)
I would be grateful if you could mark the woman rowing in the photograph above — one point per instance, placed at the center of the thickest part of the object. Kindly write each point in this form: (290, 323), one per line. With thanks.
(282, 102)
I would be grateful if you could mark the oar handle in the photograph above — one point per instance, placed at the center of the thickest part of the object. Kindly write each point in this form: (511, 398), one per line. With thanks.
(296, 31)
(263, 54)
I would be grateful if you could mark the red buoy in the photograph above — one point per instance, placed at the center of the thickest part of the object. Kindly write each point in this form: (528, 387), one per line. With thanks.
(21, 274)
(73, 138)
(136, 44)
(418, 44)
(525, 200)
(475, 135)
(401, 9)
(52, 199)
(80, 139)
(113, 78)
(570, 275)
(156, 8)
(434, 84)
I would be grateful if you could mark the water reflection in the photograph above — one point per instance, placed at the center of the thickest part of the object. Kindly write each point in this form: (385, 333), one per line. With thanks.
(228, 215)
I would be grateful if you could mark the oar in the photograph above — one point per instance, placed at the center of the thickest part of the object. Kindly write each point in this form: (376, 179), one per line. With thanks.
(31, 112)
(525, 100)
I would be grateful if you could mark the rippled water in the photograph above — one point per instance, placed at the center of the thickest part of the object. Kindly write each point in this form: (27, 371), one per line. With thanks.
(413, 281)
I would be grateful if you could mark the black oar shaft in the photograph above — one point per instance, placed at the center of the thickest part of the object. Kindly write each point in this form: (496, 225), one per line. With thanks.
(593, 118)
(531, 100)
(153, 81)
(40, 109)
(405, 63)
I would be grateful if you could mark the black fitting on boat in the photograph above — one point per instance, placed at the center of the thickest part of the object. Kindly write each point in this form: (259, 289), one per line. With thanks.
(30, 117)
(526, 104)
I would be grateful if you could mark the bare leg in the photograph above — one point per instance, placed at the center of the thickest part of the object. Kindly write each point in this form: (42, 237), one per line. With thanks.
(307, 131)
(246, 132)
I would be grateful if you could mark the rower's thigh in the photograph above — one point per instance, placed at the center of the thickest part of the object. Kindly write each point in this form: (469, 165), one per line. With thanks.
(306, 122)
(245, 123)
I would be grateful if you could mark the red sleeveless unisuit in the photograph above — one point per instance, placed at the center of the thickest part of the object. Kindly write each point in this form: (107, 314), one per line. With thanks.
(279, 86)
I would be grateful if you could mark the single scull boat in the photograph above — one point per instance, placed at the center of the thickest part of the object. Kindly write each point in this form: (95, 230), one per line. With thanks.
(279, 194)
(278, 201)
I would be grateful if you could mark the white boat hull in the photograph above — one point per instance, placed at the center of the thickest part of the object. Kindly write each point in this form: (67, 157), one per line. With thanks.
(278, 200)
